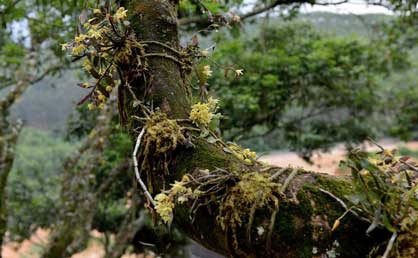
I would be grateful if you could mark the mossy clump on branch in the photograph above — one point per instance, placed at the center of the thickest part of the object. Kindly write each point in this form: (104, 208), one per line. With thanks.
(162, 136)
(255, 190)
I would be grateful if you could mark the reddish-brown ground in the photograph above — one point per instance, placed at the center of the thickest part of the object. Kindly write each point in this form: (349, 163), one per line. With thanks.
(31, 248)
(328, 162)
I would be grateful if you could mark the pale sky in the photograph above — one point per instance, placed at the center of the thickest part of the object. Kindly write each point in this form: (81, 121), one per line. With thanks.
(354, 7)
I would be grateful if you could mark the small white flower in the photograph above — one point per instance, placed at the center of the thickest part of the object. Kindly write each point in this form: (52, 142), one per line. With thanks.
(239, 72)
(260, 230)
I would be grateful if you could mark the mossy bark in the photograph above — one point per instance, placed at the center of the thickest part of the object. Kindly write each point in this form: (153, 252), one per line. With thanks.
(302, 224)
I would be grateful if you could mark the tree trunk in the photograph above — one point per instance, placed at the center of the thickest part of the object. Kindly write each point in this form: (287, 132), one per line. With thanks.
(78, 200)
(9, 133)
(300, 227)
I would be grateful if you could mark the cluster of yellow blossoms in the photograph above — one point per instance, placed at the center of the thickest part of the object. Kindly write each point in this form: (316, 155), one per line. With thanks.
(178, 193)
(90, 44)
(203, 113)
(243, 154)
(164, 207)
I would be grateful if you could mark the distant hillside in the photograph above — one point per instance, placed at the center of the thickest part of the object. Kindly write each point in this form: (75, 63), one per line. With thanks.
(47, 104)
(345, 24)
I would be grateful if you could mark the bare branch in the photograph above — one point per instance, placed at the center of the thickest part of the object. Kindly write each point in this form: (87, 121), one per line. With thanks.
(138, 177)
(259, 10)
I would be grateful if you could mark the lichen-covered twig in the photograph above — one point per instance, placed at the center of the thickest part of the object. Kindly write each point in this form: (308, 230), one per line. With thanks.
(390, 245)
(334, 197)
(138, 177)
(288, 180)
(277, 174)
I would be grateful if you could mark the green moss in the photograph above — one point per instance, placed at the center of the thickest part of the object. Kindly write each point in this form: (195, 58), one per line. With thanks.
(202, 155)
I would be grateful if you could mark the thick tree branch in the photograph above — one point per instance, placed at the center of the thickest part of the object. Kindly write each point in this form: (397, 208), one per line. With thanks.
(304, 216)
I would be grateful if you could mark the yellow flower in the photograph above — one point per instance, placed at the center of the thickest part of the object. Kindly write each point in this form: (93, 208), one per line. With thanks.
(239, 155)
(200, 114)
(80, 38)
(109, 88)
(177, 187)
(102, 105)
(91, 106)
(101, 97)
(185, 178)
(120, 14)
(164, 207)
(250, 154)
(78, 49)
(87, 65)
(97, 11)
(64, 46)
(94, 33)
(207, 71)
(204, 53)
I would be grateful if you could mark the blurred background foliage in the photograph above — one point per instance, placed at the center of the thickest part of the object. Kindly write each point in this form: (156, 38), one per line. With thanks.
(311, 80)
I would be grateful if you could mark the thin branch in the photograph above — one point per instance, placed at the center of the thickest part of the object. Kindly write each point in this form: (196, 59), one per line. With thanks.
(288, 180)
(409, 166)
(257, 11)
(261, 10)
(199, 19)
(390, 245)
(164, 56)
(278, 173)
(331, 3)
(334, 197)
(138, 177)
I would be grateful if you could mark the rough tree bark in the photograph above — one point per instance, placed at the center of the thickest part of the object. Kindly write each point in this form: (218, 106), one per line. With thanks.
(299, 228)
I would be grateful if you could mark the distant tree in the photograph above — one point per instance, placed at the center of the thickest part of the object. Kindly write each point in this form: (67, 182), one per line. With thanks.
(303, 89)
(25, 58)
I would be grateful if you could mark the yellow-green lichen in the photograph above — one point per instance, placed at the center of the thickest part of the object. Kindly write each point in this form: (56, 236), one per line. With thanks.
(253, 191)
(162, 136)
